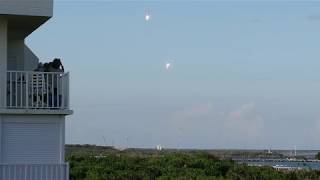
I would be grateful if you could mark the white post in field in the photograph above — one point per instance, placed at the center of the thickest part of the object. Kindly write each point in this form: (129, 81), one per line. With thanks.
(3, 61)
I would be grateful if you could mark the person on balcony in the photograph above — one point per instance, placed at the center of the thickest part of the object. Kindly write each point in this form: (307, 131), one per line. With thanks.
(49, 83)
(40, 67)
(56, 66)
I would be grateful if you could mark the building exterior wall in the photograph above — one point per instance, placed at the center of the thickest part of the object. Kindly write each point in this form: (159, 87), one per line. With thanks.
(32, 139)
(3, 60)
(27, 7)
(20, 56)
(16, 55)
(30, 59)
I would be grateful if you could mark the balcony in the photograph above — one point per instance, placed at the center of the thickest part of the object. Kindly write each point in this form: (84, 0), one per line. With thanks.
(37, 90)
(34, 171)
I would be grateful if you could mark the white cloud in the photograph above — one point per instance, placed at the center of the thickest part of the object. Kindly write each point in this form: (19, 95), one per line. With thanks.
(245, 121)
(240, 126)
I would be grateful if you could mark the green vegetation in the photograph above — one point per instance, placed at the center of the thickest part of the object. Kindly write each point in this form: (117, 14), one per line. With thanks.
(318, 156)
(133, 165)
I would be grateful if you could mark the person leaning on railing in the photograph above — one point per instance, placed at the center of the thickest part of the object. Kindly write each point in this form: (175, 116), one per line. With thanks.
(52, 80)
(56, 66)
(40, 67)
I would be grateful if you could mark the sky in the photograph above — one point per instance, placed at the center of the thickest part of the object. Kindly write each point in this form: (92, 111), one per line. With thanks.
(244, 74)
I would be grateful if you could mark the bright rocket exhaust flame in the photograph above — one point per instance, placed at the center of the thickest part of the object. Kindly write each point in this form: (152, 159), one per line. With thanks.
(147, 17)
(168, 66)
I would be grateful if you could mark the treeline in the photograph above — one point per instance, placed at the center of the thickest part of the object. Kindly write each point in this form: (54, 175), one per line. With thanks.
(184, 166)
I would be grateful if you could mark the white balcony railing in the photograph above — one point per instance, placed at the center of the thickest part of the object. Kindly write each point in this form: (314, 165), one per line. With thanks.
(34, 171)
(37, 90)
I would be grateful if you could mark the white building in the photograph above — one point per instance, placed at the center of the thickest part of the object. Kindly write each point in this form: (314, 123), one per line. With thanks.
(33, 105)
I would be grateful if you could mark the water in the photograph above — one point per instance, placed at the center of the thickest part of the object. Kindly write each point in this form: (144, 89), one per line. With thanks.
(285, 164)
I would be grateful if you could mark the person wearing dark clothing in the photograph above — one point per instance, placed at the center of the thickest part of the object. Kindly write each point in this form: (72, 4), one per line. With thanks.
(56, 66)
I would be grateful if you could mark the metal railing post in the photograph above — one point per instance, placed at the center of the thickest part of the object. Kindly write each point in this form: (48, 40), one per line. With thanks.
(27, 89)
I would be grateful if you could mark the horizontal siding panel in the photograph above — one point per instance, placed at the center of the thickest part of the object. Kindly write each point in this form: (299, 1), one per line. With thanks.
(34, 171)
(31, 142)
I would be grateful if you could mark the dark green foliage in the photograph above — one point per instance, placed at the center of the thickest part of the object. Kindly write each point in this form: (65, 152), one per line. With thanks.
(167, 166)
(318, 156)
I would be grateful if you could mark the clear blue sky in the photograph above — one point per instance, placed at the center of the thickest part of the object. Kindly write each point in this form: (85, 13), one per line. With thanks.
(245, 74)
